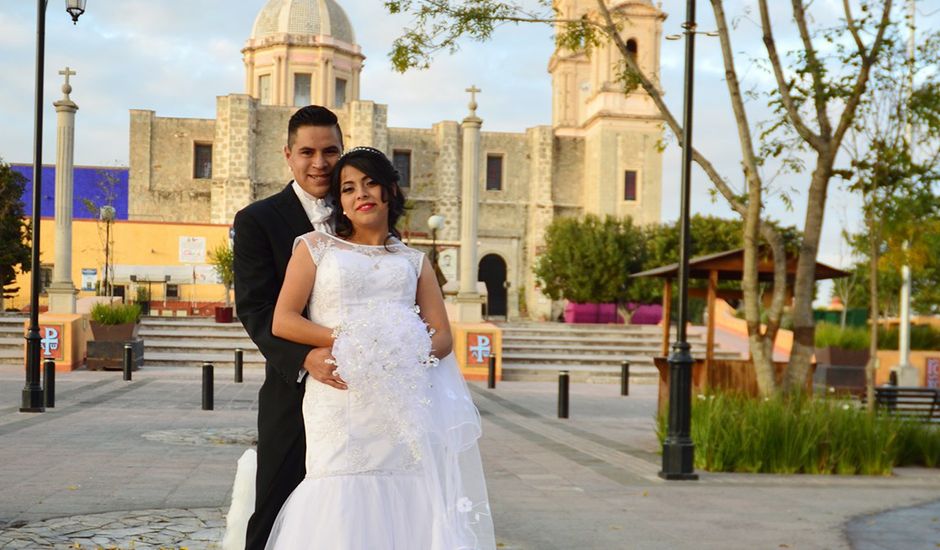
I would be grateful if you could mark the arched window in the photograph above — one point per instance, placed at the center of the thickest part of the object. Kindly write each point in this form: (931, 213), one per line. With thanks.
(631, 48)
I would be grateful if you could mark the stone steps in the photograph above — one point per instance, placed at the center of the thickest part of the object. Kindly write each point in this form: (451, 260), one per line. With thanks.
(591, 353)
(591, 374)
(224, 359)
(591, 349)
(11, 339)
(531, 351)
(188, 342)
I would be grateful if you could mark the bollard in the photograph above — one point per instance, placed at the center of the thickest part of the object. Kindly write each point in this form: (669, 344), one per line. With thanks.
(239, 359)
(563, 394)
(128, 361)
(207, 390)
(48, 383)
(625, 378)
(491, 374)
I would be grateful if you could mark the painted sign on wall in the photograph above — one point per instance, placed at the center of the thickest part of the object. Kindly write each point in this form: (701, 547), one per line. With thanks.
(89, 278)
(479, 349)
(51, 341)
(933, 372)
(192, 250)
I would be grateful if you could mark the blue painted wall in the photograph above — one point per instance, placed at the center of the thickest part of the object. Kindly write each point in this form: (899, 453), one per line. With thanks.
(87, 186)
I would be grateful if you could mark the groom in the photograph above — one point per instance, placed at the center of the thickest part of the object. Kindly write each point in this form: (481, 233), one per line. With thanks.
(264, 237)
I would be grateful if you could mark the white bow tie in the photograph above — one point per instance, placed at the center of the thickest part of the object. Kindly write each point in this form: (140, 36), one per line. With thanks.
(321, 212)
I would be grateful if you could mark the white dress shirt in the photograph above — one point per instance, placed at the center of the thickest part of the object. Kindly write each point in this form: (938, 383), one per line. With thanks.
(318, 210)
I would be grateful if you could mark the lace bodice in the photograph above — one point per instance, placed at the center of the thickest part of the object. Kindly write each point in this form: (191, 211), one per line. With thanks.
(351, 278)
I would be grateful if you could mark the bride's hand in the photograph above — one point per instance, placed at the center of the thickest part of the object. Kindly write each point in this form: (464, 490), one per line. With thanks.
(321, 365)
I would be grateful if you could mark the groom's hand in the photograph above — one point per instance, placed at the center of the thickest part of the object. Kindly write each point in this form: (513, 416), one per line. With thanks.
(319, 363)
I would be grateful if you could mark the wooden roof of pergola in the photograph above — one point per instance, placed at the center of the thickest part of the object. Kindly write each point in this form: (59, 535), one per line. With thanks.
(723, 266)
(730, 267)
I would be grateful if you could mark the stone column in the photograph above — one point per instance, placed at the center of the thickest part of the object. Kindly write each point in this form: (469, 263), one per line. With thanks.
(62, 292)
(469, 301)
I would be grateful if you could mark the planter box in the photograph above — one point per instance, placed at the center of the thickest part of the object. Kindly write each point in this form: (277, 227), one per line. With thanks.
(110, 355)
(224, 314)
(736, 375)
(844, 379)
(841, 357)
(592, 313)
(114, 333)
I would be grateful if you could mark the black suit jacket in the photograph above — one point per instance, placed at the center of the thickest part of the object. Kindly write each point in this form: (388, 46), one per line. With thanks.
(264, 238)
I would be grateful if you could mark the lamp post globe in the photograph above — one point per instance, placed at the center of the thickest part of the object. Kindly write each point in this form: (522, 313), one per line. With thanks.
(436, 222)
(75, 8)
(32, 392)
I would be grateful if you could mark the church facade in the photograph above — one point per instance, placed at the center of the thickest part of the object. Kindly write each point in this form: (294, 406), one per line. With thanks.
(600, 154)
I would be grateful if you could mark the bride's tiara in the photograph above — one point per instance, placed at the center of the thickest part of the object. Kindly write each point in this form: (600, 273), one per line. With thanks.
(363, 149)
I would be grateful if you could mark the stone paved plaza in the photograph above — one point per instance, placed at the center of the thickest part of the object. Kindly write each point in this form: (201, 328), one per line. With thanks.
(139, 465)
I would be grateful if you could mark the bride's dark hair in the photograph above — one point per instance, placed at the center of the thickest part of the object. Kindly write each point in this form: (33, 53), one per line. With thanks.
(376, 165)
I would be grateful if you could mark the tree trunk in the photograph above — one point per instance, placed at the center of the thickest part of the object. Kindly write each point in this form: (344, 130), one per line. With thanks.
(805, 283)
(874, 238)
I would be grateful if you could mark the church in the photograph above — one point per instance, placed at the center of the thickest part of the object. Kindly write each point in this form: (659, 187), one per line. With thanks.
(600, 153)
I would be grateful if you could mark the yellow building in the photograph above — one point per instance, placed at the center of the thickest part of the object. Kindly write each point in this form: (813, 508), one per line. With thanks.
(170, 260)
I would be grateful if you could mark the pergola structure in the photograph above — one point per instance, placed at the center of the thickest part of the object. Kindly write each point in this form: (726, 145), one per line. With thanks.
(723, 266)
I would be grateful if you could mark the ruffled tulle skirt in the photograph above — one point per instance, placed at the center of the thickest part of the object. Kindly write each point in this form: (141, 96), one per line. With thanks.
(393, 463)
(358, 512)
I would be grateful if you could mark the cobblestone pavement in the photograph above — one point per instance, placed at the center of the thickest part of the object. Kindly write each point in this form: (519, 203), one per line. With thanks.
(140, 530)
(139, 465)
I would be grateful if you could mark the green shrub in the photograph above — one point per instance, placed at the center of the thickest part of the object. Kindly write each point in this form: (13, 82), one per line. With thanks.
(830, 335)
(143, 294)
(801, 434)
(115, 314)
(923, 337)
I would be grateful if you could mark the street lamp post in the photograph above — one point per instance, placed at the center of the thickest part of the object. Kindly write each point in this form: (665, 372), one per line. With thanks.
(436, 223)
(32, 391)
(678, 448)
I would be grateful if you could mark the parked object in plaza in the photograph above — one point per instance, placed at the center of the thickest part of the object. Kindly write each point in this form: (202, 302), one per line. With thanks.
(113, 326)
(223, 262)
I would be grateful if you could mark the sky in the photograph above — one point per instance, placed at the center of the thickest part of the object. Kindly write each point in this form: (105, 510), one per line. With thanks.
(176, 56)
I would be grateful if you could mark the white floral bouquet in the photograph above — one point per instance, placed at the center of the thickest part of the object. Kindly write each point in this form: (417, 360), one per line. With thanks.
(384, 356)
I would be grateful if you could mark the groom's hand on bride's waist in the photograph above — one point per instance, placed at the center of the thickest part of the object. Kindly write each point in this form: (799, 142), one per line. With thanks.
(322, 367)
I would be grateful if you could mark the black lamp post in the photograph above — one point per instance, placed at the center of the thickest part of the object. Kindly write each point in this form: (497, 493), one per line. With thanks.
(678, 448)
(32, 392)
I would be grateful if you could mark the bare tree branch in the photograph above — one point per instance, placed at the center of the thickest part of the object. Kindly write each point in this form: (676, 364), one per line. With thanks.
(815, 69)
(610, 29)
(751, 174)
(793, 111)
(848, 113)
(853, 28)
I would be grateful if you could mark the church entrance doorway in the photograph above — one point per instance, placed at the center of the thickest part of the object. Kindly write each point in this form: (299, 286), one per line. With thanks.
(493, 273)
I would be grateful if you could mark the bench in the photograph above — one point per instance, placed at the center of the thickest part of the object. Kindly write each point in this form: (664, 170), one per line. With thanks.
(914, 402)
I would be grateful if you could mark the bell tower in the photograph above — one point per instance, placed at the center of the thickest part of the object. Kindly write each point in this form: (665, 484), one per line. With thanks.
(622, 166)
(302, 52)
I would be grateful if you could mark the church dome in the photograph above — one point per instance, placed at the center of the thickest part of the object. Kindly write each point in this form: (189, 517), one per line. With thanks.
(304, 17)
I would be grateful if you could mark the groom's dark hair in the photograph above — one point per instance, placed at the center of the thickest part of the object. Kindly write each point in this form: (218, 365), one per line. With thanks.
(312, 115)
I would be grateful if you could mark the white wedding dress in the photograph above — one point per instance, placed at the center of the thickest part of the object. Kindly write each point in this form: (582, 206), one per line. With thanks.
(392, 462)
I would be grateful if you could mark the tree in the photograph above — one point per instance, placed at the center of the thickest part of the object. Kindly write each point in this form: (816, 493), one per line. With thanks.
(222, 260)
(895, 152)
(102, 208)
(807, 88)
(14, 229)
(710, 234)
(590, 260)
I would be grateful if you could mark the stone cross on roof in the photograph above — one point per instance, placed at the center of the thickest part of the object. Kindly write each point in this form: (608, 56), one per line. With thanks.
(67, 88)
(473, 98)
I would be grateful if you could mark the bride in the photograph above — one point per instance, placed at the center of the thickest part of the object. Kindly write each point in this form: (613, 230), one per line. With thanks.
(392, 456)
